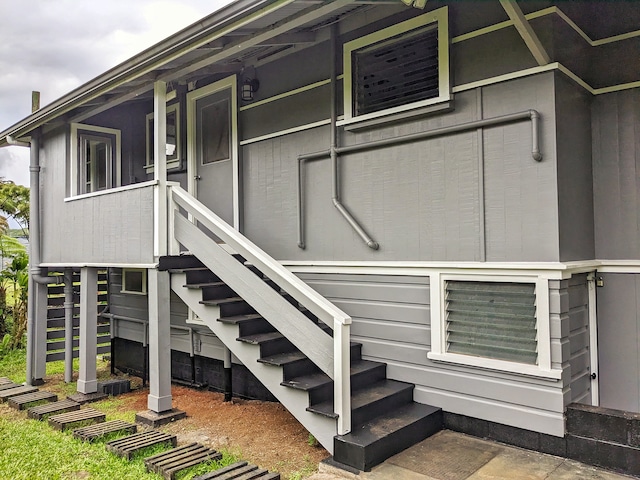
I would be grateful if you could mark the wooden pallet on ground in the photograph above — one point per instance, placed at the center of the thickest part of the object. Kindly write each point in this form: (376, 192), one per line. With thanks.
(99, 430)
(43, 411)
(64, 421)
(20, 402)
(126, 447)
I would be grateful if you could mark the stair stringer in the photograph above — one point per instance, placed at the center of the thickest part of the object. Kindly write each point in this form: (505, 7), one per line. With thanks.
(322, 428)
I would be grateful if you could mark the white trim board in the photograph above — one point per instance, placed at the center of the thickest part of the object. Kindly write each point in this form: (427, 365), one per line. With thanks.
(112, 191)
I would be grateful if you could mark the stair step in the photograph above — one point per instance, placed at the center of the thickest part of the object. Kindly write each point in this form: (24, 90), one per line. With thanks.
(200, 275)
(21, 402)
(126, 447)
(320, 386)
(371, 401)
(63, 421)
(179, 263)
(231, 306)
(217, 290)
(12, 392)
(95, 432)
(380, 438)
(169, 463)
(270, 343)
(248, 324)
(42, 411)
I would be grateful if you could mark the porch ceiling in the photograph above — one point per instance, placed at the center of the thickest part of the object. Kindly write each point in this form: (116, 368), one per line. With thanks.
(220, 43)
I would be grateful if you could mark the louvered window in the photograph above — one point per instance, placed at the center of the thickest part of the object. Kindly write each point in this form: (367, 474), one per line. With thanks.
(492, 320)
(398, 71)
(395, 72)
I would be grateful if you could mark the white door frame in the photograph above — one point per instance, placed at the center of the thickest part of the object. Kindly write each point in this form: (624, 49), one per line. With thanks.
(231, 83)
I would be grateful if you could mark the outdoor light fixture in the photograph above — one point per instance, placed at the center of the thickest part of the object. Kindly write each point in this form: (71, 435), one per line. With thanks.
(249, 87)
(416, 3)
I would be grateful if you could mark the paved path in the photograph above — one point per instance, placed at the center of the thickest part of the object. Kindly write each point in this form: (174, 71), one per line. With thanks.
(454, 456)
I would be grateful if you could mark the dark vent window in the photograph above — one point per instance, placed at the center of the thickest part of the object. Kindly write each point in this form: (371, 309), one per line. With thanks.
(492, 319)
(397, 71)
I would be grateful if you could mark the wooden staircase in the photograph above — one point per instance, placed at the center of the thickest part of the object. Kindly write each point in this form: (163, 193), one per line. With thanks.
(385, 419)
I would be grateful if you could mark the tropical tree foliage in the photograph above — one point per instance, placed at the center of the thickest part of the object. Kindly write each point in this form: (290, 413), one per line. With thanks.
(14, 202)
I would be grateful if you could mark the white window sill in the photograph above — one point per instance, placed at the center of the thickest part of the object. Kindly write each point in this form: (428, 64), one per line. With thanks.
(493, 364)
(405, 113)
(111, 191)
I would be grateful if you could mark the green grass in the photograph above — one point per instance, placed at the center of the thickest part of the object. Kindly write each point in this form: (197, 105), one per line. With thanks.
(33, 450)
(13, 365)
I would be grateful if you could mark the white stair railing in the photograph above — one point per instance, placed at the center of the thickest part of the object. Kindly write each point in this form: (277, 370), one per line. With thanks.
(338, 367)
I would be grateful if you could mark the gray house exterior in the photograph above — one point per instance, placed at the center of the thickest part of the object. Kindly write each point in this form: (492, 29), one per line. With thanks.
(476, 230)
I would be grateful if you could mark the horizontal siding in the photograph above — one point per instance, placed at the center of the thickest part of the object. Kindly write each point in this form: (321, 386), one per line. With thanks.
(136, 306)
(579, 340)
(391, 318)
(116, 228)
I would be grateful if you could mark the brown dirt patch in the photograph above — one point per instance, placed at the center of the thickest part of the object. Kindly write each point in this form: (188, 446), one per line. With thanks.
(263, 433)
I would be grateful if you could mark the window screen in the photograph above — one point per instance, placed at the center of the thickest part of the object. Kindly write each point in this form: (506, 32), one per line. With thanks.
(396, 71)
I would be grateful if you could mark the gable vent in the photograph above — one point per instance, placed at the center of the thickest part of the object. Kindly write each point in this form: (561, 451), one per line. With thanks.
(396, 71)
(492, 320)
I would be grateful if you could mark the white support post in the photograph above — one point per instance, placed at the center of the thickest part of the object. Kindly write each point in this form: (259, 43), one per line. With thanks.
(160, 167)
(159, 399)
(87, 382)
(342, 375)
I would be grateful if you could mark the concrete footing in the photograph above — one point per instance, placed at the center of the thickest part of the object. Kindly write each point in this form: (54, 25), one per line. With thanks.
(153, 419)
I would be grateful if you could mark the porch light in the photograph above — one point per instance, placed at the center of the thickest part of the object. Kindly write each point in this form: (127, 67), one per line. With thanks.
(416, 3)
(249, 87)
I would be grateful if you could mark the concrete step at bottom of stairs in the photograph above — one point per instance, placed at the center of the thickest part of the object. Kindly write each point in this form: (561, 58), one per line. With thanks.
(374, 441)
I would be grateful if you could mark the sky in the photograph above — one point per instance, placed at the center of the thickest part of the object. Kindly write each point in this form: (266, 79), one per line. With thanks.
(54, 46)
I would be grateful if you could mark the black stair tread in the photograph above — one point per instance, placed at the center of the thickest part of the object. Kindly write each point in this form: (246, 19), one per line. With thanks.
(258, 338)
(222, 301)
(281, 359)
(203, 285)
(394, 420)
(235, 319)
(315, 380)
(363, 396)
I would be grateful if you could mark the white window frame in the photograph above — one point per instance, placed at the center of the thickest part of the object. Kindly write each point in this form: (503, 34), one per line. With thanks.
(439, 16)
(123, 288)
(150, 161)
(74, 167)
(543, 338)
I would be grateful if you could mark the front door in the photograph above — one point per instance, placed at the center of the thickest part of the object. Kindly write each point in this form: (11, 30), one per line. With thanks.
(213, 148)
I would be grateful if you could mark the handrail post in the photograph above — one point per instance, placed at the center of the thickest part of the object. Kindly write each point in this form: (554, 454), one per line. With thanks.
(342, 375)
(174, 246)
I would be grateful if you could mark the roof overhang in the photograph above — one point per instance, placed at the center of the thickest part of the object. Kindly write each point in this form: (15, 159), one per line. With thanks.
(244, 30)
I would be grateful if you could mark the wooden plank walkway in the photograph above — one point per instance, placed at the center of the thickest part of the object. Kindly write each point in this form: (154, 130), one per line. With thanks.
(99, 430)
(67, 420)
(20, 402)
(169, 463)
(239, 471)
(5, 380)
(7, 386)
(43, 411)
(126, 447)
(12, 392)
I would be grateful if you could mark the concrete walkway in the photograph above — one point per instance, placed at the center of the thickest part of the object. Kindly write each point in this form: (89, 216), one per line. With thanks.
(454, 456)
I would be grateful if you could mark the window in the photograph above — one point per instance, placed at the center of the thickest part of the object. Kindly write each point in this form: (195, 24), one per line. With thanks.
(95, 159)
(400, 68)
(500, 323)
(173, 138)
(134, 280)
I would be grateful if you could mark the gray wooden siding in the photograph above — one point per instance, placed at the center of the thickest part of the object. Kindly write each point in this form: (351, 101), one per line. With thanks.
(619, 341)
(391, 317)
(575, 179)
(116, 228)
(136, 306)
(420, 201)
(616, 174)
